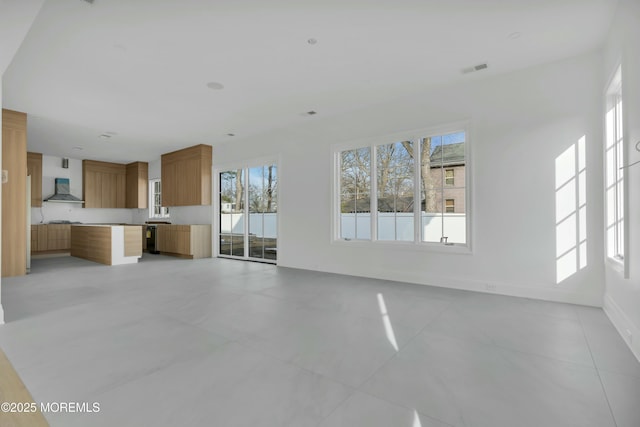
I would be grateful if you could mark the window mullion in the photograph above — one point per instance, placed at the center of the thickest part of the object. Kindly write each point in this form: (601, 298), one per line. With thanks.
(417, 191)
(373, 188)
(245, 220)
(442, 202)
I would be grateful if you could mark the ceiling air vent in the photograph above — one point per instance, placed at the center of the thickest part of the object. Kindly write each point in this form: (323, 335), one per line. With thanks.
(478, 67)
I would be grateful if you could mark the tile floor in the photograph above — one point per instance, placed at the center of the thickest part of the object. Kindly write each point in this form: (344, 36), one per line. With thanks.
(218, 342)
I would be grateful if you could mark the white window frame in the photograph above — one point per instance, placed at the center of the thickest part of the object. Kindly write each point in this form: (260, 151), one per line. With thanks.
(416, 136)
(164, 211)
(615, 164)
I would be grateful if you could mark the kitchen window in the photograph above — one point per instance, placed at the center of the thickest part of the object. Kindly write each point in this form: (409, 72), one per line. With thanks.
(156, 210)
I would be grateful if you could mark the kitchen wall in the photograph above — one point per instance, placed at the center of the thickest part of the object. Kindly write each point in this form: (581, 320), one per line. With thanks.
(50, 211)
(622, 296)
(520, 125)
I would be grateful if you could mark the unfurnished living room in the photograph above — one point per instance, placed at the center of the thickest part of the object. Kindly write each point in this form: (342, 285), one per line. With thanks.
(375, 213)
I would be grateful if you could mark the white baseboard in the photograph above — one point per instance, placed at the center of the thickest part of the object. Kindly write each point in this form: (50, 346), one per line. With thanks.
(541, 292)
(627, 330)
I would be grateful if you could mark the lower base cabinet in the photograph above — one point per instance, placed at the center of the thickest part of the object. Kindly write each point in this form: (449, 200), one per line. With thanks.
(186, 241)
(50, 238)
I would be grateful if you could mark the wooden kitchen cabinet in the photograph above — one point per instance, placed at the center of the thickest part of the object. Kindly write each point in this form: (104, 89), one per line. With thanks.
(104, 184)
(58, 237)
(186, 241)
(34, 168)
(14, 194)
(50, 238)
(34, 238)
(137, 192)
(115, 185)
(186, 176)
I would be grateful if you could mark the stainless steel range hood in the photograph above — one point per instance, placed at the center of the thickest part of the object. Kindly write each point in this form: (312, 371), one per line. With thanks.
(62, 194)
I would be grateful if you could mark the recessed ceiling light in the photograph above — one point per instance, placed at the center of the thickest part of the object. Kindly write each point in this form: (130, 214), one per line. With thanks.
(312, 41)
(514, 35)
(110, 132)
(105, 136)
(312, 113)
(77, 148)
(215, 86)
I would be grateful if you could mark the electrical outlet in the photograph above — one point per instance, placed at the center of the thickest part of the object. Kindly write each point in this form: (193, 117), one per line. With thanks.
(5, 176)
(491, 287)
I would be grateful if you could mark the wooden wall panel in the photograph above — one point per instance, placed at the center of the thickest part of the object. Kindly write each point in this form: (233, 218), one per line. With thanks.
(14, 193)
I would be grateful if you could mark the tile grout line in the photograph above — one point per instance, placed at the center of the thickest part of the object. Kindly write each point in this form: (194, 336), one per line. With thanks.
(358, 389)
(604, 391)
(394, 356)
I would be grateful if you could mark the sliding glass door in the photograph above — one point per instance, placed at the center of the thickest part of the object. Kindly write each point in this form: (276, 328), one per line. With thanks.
(232, 205)
(249, 213)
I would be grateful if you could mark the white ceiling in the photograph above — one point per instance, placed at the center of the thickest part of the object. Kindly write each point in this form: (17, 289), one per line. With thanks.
(140, 68)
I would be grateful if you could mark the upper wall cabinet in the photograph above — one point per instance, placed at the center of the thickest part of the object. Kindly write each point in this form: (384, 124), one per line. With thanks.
(104, 184)
(34, 169)
(186, 176)
(137, 185)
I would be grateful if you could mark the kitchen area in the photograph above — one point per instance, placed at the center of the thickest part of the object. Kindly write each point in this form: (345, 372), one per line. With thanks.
(100, 210)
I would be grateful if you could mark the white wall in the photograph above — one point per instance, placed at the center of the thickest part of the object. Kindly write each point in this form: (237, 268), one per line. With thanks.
(51, 169)
(520, 124)
(622, 296)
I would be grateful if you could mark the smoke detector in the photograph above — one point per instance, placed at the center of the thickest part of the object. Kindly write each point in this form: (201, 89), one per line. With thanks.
(475, 68)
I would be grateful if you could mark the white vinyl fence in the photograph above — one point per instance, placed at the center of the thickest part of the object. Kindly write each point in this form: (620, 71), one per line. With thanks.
(263, 225)
(399, 226)
(390, 226)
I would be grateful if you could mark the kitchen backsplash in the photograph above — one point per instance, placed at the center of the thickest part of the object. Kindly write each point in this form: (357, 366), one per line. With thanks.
(74, 212)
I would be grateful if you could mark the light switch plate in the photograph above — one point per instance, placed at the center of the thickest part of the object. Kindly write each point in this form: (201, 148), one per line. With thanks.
(5, 176)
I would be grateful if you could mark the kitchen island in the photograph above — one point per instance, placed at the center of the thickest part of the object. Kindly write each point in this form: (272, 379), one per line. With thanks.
(107, 244)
